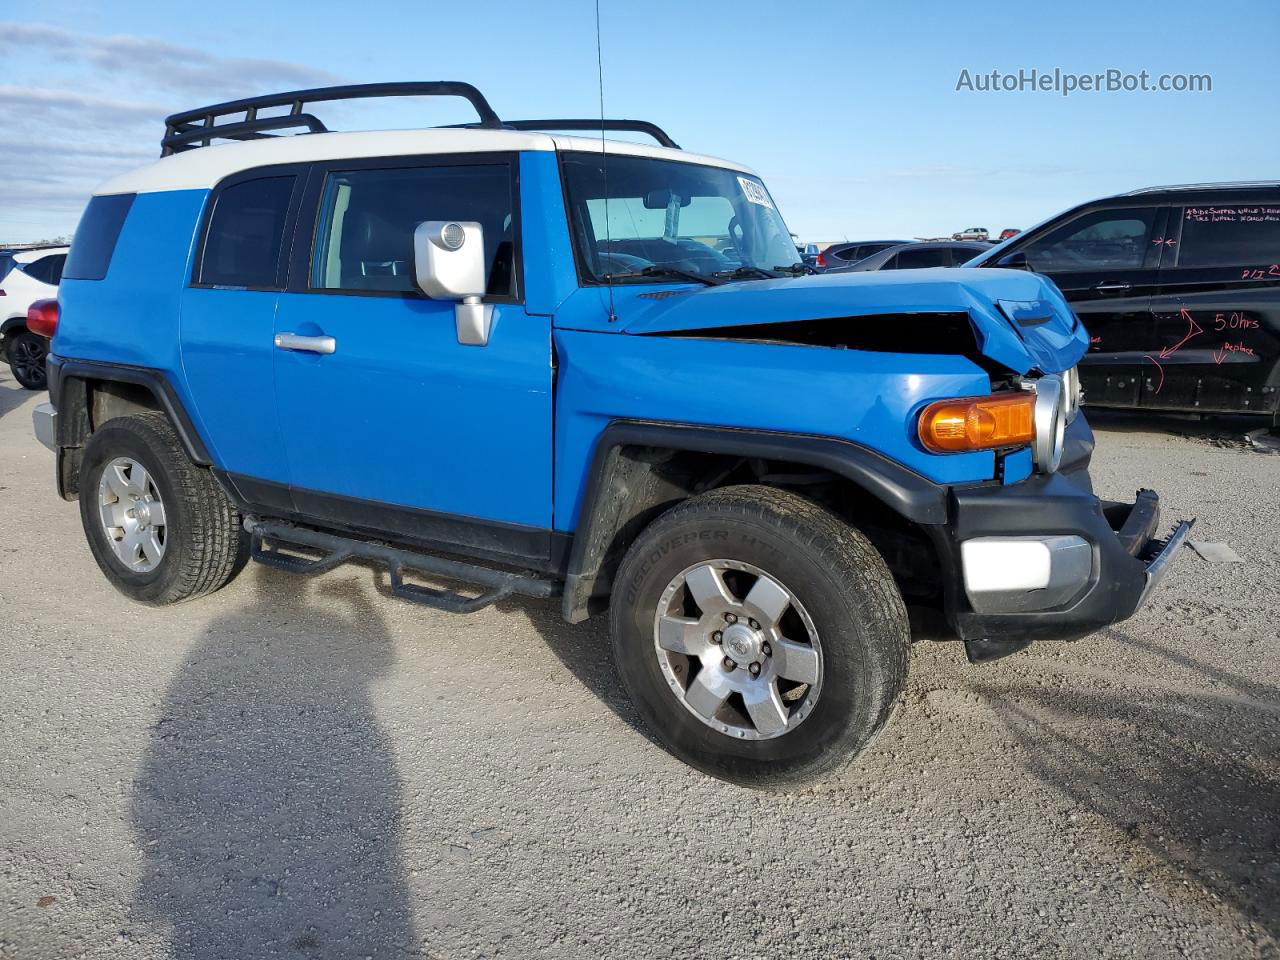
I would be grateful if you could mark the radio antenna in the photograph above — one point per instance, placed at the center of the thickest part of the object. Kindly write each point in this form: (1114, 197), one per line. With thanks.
(604, 156)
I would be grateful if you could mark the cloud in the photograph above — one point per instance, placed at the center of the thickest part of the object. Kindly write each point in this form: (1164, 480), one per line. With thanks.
(165, 65)
(99, 110)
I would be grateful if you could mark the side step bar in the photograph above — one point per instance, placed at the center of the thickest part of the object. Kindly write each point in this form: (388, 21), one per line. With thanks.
(337, 550)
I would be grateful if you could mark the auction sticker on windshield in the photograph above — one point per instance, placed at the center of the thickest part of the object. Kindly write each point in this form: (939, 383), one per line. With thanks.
(755, 192)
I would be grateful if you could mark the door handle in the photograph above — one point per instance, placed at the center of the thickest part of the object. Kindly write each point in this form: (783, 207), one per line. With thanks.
(292, 341)
(1106, 287)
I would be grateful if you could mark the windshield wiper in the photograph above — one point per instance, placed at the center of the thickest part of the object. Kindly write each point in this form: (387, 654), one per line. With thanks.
(796, 269)
(747, 272)
(658, 271)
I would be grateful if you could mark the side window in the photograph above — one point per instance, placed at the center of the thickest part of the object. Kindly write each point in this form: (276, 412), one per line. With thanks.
(364, 241)
(243, 245)
(38, 269)
(928, 257)
(1240, 236)
(96, 236)
(47, 269)
(1102, 240)
(850, 254)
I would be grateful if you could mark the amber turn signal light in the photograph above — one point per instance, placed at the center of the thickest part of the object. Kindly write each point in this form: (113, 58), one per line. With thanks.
(979, 423)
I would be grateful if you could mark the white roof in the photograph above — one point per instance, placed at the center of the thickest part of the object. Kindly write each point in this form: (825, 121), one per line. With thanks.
(203, 167)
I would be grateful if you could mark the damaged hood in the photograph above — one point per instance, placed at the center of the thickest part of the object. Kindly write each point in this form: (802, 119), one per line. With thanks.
(1020, 319)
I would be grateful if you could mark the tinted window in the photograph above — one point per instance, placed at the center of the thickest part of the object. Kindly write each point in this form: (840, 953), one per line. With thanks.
(367, 220)
(1103, 240)
(46, 269)
(926, 257)
(95, 239)
(38, 269)
(1241, 236)
(243, 245)
(849, 254)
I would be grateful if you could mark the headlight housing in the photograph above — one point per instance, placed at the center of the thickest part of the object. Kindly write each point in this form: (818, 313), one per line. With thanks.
(1051, 415)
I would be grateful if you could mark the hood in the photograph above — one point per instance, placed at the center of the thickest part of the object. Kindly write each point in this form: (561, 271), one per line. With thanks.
(1020, 319)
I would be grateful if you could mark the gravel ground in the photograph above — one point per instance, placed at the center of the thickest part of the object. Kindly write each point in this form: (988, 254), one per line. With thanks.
(296, 768)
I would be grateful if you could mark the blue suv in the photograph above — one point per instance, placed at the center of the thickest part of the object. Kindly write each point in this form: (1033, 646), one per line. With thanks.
(585, 369)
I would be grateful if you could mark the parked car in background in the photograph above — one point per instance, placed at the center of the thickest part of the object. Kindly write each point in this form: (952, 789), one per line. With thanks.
(809, 253)
(1179, 288)
(972, 233)
(843, 254)
(1008, 232)
(909, 256)
(32, 275)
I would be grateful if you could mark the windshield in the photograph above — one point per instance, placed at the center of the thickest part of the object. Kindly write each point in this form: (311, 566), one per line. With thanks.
(644, 214)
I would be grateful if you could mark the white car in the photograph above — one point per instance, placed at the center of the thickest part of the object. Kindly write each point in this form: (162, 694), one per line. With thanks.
(27, 276)
(972, 233)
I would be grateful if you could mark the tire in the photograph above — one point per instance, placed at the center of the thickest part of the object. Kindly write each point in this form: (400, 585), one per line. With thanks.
(26, 355)
(198, 539)
(839, 597)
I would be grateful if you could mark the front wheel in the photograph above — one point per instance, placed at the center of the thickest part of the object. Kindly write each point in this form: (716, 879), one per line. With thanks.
(761, 637)
(27, 353)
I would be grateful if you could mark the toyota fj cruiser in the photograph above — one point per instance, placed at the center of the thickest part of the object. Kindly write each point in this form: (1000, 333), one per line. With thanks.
(583, 369)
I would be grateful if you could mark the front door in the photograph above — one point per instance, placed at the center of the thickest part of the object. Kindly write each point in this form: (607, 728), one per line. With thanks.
(1104, 262)
(401, 428)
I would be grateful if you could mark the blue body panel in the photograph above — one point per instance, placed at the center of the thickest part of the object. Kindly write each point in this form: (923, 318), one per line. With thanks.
(1053, 342)
(870, 398)
(549, 272)
(132, 315)
(403, 414)
(229, 361)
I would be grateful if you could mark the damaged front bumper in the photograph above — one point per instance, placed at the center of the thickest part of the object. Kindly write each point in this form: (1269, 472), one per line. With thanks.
(1045, 559)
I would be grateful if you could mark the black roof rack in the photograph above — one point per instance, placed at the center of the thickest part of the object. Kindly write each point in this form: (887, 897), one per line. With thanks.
(599, 126)
(200, 127)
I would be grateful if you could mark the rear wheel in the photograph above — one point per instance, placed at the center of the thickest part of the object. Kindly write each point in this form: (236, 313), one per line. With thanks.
(159, 526)
(27, 352)
(762, 638)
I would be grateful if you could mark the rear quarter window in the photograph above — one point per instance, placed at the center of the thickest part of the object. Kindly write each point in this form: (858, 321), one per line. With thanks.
(243, 246)
(96, 236)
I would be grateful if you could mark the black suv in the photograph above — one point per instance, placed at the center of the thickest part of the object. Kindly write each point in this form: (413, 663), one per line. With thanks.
(1179, 288)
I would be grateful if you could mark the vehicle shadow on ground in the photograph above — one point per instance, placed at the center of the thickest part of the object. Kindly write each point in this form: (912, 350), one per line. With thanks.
(267, 806)
(12, 394)
(586, 651)
(1190, 782)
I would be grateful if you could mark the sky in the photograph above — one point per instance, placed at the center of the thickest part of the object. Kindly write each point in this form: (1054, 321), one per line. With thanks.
(848, 110)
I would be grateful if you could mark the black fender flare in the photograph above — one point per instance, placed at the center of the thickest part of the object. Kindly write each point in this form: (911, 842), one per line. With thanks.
(65, 373)
(615, 485)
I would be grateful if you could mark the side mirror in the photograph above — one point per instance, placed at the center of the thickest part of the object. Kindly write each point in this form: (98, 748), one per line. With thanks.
(448, 264)
(1014, 261)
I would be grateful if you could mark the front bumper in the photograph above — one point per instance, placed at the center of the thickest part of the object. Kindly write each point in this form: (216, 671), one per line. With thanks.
(1045, 559)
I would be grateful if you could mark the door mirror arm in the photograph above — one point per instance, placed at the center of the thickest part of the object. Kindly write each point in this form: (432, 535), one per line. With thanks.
(448, 261)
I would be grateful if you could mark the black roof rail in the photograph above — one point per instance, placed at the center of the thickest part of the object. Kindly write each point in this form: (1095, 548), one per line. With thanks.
(200, 127)
(598, 126)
